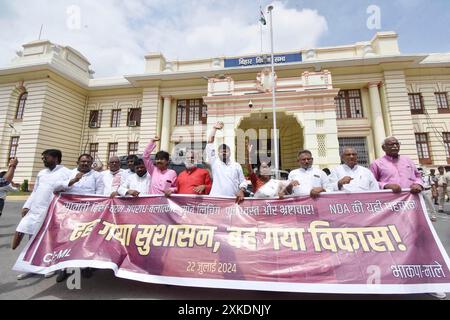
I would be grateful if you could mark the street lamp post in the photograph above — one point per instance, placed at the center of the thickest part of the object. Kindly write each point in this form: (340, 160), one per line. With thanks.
(275, 134)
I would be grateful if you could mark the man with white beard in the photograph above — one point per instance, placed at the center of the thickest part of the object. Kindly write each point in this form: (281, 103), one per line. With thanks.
(114, 177)
(193, 180)
(138, 183)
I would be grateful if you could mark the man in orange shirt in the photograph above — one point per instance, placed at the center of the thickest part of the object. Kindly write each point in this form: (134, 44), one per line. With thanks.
(193, 180)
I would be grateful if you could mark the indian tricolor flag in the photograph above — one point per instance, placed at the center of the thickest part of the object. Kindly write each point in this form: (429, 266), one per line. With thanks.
(262, 19)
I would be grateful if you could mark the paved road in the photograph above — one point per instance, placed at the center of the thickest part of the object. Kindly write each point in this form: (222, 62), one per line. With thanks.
(104, 285)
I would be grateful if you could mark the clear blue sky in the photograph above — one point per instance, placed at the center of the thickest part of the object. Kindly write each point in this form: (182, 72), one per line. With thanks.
(423, 25)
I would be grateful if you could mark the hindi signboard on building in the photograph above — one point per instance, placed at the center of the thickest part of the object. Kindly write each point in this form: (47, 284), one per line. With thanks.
(262, 60)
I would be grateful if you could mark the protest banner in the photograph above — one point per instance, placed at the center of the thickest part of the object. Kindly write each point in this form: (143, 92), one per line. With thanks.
(377, 242)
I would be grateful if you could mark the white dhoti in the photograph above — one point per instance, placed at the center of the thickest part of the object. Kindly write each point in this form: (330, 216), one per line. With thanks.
(31, 223)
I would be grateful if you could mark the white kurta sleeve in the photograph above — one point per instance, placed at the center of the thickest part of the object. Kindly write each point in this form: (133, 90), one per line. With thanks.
(99, 184)
(373, 183)
(242, 181)
(291, 177)
(324, 180)
(63, 185)
(333, 181)
(123, 189)
(210, 153)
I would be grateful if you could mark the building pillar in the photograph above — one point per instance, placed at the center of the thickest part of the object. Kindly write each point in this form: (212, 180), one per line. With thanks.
(379, 132)
(165, 128)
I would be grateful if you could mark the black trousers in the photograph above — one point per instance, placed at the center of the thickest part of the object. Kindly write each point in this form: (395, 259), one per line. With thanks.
(2, 204)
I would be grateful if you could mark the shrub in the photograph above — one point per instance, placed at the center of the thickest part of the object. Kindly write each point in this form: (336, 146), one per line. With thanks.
(24, 186)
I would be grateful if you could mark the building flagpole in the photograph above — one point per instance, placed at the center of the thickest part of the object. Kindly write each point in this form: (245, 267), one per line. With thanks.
(261, 25)
(40, 31)
(261, 33)
(275, 133)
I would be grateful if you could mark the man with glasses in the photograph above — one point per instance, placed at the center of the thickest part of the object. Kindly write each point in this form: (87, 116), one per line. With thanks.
(396, 172)
(306, 180)
(350, 176)
(193, 180)
(114, 177)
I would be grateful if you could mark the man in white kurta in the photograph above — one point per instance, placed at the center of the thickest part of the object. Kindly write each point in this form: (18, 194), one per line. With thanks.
(131, 159)
(351, 177)
(35, 209)
(114, 177)
(228, 177)
(307, 180)
(83, 180)
(137, 184)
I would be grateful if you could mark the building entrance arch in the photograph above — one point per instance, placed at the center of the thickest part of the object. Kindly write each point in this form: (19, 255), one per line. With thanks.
(256, 129)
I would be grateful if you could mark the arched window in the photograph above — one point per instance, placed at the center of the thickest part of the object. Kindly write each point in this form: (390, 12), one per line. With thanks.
(21, 105)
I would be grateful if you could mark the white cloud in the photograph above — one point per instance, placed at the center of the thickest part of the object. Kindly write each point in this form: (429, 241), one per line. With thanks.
(115, 35)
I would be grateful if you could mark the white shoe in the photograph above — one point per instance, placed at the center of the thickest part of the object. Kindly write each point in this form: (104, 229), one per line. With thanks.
(23, 276)
(439, 295)
(50, 274)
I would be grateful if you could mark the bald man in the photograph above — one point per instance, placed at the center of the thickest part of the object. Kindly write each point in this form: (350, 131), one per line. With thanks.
(114, 177)
(396, 172)
(351, 177)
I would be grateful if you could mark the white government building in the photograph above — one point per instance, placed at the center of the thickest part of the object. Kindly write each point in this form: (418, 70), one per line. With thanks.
(352, 95)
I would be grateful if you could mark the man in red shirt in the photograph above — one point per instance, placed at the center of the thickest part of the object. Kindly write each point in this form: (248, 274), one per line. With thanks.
(193, 180)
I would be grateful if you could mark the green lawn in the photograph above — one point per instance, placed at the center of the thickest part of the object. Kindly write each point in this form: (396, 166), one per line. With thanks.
(19, 193)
